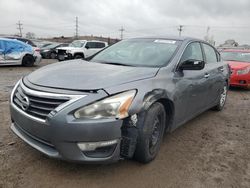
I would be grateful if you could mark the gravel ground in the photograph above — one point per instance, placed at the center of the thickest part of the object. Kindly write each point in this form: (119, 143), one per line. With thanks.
(213, 150)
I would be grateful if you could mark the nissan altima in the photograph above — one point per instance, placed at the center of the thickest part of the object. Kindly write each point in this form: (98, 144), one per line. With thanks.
(120, 102)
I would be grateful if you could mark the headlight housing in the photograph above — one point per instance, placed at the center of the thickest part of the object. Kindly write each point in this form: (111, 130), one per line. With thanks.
(116, 106)
(243, 71)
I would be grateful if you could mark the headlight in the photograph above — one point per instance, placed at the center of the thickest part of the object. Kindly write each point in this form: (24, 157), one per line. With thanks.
(45, 50)
(243, 71)
(116, 106)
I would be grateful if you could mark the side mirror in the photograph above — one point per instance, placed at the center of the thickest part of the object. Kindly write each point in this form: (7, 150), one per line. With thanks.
(192, 64)
(87, 47)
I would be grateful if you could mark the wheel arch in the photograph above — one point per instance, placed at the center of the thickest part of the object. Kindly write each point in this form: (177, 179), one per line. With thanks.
(27, 55)
(79, 53)
(161, 96)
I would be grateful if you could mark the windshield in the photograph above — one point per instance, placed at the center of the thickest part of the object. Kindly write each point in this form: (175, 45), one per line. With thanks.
(77, 44)
(139, 52)
(236, 56)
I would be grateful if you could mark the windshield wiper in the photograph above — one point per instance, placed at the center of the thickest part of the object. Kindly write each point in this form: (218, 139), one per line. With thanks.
(231, 60)
(114, 63)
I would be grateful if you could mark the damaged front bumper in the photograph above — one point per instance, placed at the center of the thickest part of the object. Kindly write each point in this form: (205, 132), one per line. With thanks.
(62, 136)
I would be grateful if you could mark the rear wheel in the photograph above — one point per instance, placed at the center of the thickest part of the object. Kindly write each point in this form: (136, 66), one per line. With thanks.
(28, 61)
(222, 99)
(151, 134)
(53, 55)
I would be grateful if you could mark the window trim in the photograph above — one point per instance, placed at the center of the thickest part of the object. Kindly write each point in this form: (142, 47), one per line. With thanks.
(190, 42)
(218, 58)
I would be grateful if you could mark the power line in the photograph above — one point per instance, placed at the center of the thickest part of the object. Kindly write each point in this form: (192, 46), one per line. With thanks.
(20, 28)
(180, 29)
(76, 27)
(122, 30)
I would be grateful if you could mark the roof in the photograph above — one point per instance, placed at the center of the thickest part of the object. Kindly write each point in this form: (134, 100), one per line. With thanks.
(180, 38)
(236, 50)
(11, 40)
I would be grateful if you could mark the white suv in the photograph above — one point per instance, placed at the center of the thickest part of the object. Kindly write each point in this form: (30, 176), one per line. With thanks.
(80, 49)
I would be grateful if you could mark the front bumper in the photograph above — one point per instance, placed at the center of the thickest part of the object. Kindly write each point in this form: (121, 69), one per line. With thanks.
(240, 80)
(65, 56)
(58, 139)
(60, 135)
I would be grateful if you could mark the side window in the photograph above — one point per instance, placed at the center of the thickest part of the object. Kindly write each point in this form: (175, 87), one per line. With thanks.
(100, 45)
(211, 55)
(91, 45)
(192, 51)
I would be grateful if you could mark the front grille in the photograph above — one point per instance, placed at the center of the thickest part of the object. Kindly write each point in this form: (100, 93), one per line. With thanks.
(36, 106)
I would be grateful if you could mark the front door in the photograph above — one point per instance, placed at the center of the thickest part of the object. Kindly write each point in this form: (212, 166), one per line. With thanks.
(191, 85)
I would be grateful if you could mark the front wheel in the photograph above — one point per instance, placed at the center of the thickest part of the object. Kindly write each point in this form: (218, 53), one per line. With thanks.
(78, 56)
(222, 99)
(28, 61)
(151, 133)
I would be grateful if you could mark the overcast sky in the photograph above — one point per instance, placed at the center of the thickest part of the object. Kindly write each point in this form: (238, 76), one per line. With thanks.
(228, 19)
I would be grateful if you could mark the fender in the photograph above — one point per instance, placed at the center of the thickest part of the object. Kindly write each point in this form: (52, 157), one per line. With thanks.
(162, 96)
(153, 96)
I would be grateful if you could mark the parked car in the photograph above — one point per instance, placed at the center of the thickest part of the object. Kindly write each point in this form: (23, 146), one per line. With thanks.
(36, 49)
(14, 52)
(27, 41)
(120, 103)
(80, 49)
(239, 61)
(41, 43)
(49, 51)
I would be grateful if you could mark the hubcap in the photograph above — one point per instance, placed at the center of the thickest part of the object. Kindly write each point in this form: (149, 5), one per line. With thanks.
(223, 96)
(155, 134)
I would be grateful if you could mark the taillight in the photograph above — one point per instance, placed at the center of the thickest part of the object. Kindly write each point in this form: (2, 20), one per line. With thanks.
(37, 49)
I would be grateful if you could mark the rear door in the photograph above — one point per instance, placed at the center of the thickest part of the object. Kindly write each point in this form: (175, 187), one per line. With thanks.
(214, 73)
(13, 54)
(2, 60)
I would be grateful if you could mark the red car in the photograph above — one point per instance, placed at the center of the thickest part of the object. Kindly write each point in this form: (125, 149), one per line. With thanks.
(239, 62)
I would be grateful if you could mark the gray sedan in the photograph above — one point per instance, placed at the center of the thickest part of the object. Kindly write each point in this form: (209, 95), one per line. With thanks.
(119, 102)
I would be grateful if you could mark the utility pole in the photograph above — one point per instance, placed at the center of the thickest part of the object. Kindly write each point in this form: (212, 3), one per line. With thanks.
(122, 30)
(19, 27)
(76, 27)
(180, 29)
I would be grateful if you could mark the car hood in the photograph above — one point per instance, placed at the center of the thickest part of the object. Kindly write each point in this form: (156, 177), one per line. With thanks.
(68, 48)
(83, 75)
(238, 64)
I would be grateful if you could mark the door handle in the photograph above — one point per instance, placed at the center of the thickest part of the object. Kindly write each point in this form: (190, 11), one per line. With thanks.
(221, 69)
(206, 75)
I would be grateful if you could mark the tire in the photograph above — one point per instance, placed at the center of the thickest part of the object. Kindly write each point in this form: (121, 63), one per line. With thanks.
(53, 55)
(222, 99)
(151, 134)
(28, 61)
(78, 56)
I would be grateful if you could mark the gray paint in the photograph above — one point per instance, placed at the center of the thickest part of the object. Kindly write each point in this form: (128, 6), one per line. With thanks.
(189, 92)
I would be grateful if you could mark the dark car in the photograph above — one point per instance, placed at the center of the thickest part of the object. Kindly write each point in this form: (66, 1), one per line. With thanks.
(120, 102)
(49, 51)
